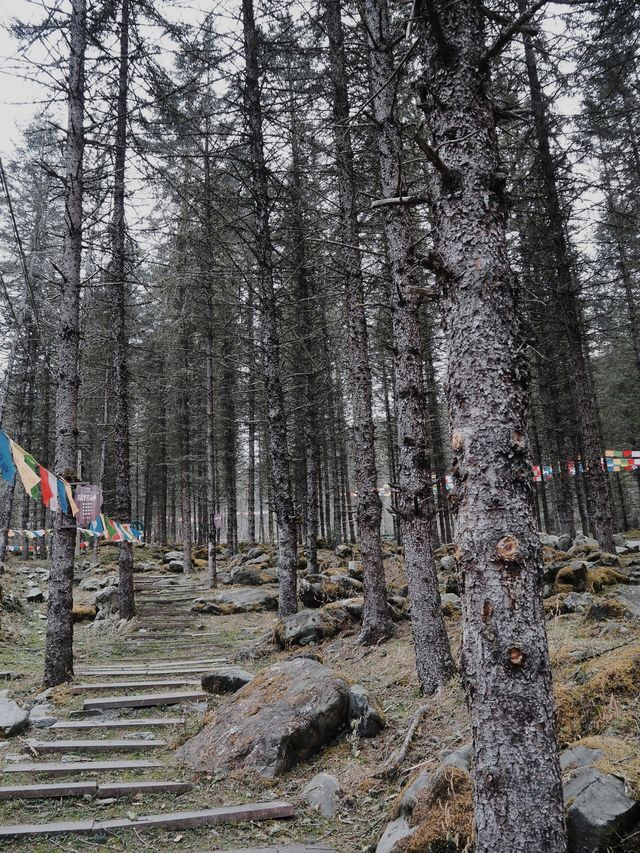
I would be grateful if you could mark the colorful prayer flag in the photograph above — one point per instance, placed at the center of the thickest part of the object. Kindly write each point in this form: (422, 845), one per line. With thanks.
(7, 468)
(73, 505)
(25, 468)
(62, 496)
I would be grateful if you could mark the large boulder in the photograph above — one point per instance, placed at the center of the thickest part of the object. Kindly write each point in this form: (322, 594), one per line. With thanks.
(262, 560)
(13, 718)
(312, 626)
(285, 715)
(238, 601)
(316, 590)
(170, 556)
(249, 574)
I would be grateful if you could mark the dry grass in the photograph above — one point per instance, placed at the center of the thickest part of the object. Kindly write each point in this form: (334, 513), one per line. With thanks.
(443, 815)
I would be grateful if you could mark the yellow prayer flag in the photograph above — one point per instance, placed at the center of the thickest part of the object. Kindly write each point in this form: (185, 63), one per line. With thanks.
(73, 506)
(27, 474)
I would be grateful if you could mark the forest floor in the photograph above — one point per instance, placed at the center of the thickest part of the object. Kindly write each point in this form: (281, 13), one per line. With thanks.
(596, 671)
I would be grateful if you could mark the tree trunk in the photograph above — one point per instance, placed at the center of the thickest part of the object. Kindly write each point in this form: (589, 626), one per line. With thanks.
(58, 664)
(305, 297)
(211, 466)
(415, 494)
(376, 622)
(276, 417)
(119, 341)
(505, 661)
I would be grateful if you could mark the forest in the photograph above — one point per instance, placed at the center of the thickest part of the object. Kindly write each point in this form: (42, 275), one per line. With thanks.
(320, 426)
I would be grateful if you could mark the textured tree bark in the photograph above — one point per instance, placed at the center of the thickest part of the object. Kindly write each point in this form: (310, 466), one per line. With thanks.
(305, 295)
(506, 669)
(119, 341)
(595, 476)
(376, 622)
(162, 460)
(434, 429)
(211, 467)
(230, 438)
(415, 494)
(276, 417)
(58, 663)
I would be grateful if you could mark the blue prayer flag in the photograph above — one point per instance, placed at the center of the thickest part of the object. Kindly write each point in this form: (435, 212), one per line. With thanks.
(7, 468)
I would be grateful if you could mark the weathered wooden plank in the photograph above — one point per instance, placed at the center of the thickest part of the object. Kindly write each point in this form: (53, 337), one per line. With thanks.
(129, 745)
(287, 848)
(154, 786)
(106, 725)
(123, 664)
(175, 820)
(62, 768)
(144, 700)
(52, 790)
(138, 673)
(103, 686)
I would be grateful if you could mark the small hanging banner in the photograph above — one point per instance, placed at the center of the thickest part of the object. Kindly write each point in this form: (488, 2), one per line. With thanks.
(89, 500)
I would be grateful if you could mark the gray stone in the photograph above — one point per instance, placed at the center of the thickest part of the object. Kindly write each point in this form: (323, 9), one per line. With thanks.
(619, 540)
(285, 715)
(35, 596)
(548, 540)
(250, 574)
(239, 601)
(107, 597)
(600, 810)
(344, 551)
(322, 794)
(316, 590)
(609, 560)
(176, 566)
(365, 714)
(90, 584)
(401, 827)
(258, 560)
(564, 542)
(251, 554)
(451, 602)
(578, 757)
(577, 602)
(225, 679)
(393, 834)
(13, 718)
(630, 596)
(448, 564)
(42, 716)
(311, 625)
(170, 556)
(355, 570)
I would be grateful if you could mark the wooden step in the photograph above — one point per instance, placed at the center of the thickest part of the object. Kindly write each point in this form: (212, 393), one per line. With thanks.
(62, 768)
(175, 820)
(128, 745)
(92, 789)
(153, 786)
(287, 848)
(135, 664)
(42, 792)
(147, 700)
(106, 725)
(100, 687)
(138, 673)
